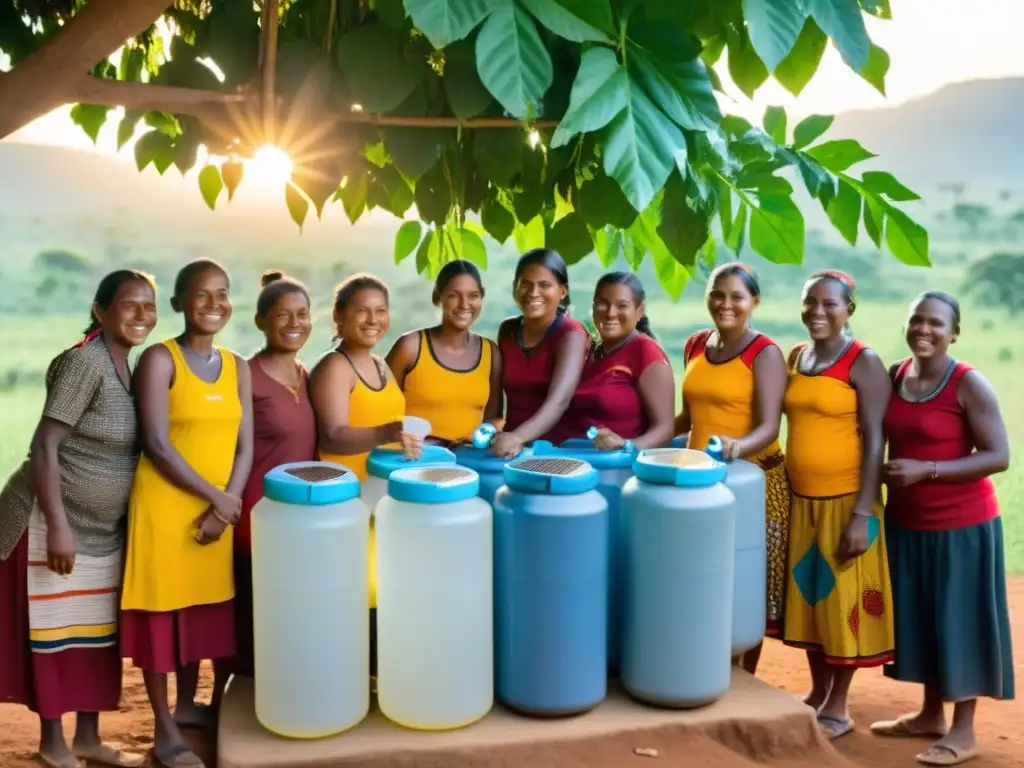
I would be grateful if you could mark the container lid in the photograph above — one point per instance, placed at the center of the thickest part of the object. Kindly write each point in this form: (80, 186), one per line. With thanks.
(584, 449)
(550, 474)
(482, 460)
(312, 483)
(438, 484)
(681, 467)
(385, 460)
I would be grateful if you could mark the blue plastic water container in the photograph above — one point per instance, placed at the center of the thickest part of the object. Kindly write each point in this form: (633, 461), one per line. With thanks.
(491, 468)
(679, 526)
(614, 468)
(551, 587)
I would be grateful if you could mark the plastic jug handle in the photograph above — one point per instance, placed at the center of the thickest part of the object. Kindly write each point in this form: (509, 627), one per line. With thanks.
(715, 449)
(542, 448)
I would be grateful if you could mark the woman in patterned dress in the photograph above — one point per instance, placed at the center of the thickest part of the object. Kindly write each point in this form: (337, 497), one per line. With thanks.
(733, 387)
(60, 654)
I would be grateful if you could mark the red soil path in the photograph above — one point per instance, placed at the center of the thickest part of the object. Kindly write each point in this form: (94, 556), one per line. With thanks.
(1000, 725)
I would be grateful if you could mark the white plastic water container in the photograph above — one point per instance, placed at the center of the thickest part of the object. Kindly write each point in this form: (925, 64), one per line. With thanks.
(435, 617)
(310, 617)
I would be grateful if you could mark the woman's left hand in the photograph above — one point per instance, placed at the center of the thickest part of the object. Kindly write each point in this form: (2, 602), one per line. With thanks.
(904, 472)
(412, 446)
(854, 542)
(730, 448)
(506, 445)
(210, 528)
(607, 440)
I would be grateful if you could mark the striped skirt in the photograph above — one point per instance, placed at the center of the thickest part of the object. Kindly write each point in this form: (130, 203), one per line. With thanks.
(58, 637)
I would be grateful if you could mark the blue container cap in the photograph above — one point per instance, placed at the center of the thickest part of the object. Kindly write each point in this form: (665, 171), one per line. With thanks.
(585, 450)
(482, 460)
(311, 483)
(556, 475)
(682, 467)
(438, 484)
(383, 461)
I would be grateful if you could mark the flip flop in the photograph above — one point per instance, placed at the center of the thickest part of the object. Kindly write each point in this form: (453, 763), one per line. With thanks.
(68, 762)
(207, 719)
(102, 754)
(178, 757)
(901, 728)
(946, 754)
(834, 727)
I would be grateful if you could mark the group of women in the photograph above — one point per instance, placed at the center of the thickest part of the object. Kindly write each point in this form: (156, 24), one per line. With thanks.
(126, 531)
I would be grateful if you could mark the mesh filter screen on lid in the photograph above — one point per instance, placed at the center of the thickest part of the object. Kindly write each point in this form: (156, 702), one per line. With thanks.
(315, 474)
(443, 475)
(680, 457)
(564, 467)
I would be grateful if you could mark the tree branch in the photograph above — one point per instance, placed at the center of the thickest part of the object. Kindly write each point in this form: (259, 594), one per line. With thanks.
(144, 97)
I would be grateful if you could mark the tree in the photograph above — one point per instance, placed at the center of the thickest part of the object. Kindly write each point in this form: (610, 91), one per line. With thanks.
(997, 281)
(586, 125)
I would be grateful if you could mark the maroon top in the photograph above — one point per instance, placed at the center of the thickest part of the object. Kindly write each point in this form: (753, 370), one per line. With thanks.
(935, 430)
(608, 394)
(284, 430)
(526, 373)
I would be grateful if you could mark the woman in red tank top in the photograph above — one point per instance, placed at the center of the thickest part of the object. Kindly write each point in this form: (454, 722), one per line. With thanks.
(542, 353)
(944, 535)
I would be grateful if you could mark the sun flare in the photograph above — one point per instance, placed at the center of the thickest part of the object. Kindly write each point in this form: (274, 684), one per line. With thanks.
(270, 167)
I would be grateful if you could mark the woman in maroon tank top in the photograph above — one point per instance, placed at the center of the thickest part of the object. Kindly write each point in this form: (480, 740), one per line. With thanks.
(542, 354)
(944, 535)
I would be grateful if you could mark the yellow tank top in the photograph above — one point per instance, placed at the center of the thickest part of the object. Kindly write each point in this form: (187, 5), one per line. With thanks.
(823, 443)
(429, 389)
(165, 568)
(720, 396)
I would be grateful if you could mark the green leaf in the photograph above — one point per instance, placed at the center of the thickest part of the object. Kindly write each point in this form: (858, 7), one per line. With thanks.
(154, 147)
(843, 21)
(644, 238)
(433, 196)
(406, 240)
(563, 22)
(777, 229)
(839, 155)
(298, 205)
(231, 173)
(601, 202)
(353, 195)
(608, 244)
(682, 229)
(738, 229)
(639, 148)
(90, 118)
(429, 252)
(885, 183)
(126, 128)
(774, 124)
(497, 219)
(466, 95)
(877, 68)
(907, 239)
(390, 12)
(874, 214)
(599, 93)
(774, 28)
(471, 247)
(745, 67)
(414, 151)
(570, 238)
(210, 185)
(133, 60)
(512, 60)
(379, 73)
(531, 235)
(797, 69)
(498, 153)
(844, 212)
(810, 129)
(445, 21)
(386, 188)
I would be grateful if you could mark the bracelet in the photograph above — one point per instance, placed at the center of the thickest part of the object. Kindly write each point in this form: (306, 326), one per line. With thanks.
(628, 446)
(935, 471)
(219, 516)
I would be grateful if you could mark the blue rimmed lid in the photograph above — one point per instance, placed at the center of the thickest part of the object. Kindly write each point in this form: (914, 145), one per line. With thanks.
(585, 450)
(482, 460)
(438, 484)
(383, 461)
(557, 475)
(682, 467)
(313, 483)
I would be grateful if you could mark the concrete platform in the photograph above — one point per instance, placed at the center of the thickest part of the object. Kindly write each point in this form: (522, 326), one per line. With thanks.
(753, 719)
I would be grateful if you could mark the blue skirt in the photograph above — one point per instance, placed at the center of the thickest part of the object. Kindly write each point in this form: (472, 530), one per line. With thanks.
(951, 616)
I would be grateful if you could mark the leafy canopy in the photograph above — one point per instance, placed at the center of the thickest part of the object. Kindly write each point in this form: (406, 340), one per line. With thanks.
(624, 150)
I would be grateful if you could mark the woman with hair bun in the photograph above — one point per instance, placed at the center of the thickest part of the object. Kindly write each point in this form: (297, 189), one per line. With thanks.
(838, 598)
(61, 532)
(733, 388)
(627, 389)
(432, 364)
(542, 353)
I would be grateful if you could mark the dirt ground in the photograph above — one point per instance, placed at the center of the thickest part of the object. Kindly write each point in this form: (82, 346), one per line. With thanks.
(872, 698)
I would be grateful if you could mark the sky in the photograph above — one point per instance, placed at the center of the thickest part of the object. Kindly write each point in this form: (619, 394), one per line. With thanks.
(931, 43)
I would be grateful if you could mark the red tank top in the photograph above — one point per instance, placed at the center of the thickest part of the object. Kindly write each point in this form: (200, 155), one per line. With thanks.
(935, 430)
(526, 373)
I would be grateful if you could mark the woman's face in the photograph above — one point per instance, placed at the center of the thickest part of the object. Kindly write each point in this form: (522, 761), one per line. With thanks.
(616, 313)
(461, 302)
(287, 325)
(730, 303)
(207, 302)
(825, 309)
(538, 292)
(930, 329)
(365, 320)
(131, 315)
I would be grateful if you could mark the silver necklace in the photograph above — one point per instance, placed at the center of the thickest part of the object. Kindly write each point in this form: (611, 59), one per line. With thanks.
(205, 360)
(820, 366)
(931, 394)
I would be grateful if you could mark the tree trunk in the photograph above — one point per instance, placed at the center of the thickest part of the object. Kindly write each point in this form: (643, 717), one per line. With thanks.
(47, 78)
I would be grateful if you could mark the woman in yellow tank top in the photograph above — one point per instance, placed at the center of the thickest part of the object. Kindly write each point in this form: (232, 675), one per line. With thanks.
(450, 376)
(838, 598)
(733, 387)
(195, 408)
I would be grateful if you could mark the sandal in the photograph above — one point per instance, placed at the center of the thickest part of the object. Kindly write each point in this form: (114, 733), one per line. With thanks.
(834, 727)
(902, 728)
(946, 754)
(179, 756)
(102, 754)
(70, 761)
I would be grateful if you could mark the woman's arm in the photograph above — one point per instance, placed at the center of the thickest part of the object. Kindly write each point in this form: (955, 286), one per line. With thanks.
(244, 447)
(572, 348)
(402, 357)
(992, 454)
(770, 378)
(495, 409)
(330, 386)
(869, 377)
(657, 388)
